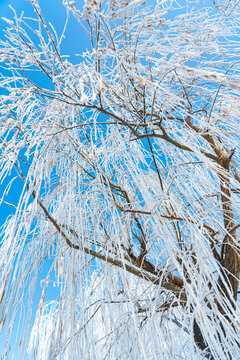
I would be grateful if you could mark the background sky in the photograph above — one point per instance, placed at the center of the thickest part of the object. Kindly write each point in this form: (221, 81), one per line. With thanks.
(74, 42)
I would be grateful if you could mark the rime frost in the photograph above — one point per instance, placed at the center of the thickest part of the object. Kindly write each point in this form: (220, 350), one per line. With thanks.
(127, 163)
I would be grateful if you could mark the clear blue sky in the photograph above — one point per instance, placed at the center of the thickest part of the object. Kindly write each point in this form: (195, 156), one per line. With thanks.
(54, 12)
(75, 42)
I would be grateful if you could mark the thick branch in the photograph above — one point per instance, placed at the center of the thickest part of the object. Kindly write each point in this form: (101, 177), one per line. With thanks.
(108, 259)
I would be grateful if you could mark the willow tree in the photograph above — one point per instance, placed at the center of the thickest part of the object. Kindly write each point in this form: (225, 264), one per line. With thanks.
(128, 162)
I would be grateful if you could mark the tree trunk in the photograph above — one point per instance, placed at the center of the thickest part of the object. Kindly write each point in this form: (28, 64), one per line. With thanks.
(230, 265)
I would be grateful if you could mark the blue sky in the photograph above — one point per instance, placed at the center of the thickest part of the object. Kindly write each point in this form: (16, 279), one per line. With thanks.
(74, 42)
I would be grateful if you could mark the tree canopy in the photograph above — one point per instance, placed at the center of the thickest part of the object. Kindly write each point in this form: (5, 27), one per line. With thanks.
(128, 160)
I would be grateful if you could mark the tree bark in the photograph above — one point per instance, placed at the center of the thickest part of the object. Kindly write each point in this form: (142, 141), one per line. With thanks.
(229, 266)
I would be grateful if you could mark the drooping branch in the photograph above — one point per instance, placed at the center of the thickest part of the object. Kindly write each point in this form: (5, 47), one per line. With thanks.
(174, 286)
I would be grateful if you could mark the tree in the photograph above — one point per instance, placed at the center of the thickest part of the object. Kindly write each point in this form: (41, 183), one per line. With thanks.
(129, 164)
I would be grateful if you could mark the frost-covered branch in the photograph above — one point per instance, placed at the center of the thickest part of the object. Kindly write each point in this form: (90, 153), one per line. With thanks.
(129, 213)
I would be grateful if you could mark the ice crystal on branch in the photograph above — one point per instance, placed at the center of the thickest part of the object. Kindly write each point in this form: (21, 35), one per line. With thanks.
(127, 162)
